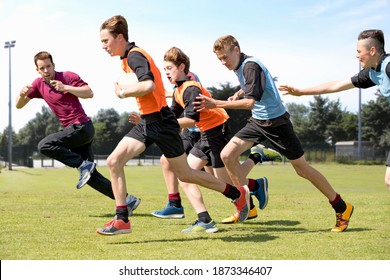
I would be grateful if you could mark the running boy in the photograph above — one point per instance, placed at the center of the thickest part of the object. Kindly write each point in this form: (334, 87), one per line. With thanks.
(376, 72)
(269, 121)
(158, 125)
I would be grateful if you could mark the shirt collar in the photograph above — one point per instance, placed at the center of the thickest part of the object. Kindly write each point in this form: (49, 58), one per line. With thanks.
(379, 65)
(128, 48)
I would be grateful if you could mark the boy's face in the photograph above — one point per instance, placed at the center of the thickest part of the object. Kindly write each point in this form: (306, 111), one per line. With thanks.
(365, 54)
(45, 68)
(113, 46)
(174, 73)
(229, 58)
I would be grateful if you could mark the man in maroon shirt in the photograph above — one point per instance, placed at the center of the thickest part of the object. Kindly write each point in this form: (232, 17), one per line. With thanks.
(73, 144)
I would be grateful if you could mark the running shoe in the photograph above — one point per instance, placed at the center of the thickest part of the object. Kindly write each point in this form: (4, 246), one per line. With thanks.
(85, 169)
(132, 203)
(170, 212)
(234, 218)
(242, 203)
(266, 154)
(262, 192)
(115, 227)
(201, 227)
(342, 219)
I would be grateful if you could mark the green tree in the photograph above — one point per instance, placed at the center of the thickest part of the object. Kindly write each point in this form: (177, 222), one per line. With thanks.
(299, 115)
(44, 123)
(106, 131)
(376, 122)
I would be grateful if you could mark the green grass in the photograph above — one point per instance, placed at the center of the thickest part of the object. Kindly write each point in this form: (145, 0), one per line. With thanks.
(44, 217)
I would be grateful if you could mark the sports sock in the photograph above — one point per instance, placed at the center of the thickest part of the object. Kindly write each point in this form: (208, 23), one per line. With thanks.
(256, 158)
(204, 217)
(174, 199)
(338, 204)
(122, 213)
(253, 185)
(231, 192)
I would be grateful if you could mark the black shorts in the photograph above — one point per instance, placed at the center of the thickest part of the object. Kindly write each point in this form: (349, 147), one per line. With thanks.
(189, 139)
(210, 145)
(279, 132)
(165, 133)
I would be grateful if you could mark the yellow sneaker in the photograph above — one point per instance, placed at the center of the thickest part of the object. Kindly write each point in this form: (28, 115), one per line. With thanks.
(234, 218)
(342, 219)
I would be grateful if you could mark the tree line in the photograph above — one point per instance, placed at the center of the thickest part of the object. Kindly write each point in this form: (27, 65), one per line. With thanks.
(321, 124)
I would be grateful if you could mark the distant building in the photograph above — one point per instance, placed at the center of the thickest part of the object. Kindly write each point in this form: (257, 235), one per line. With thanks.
(349, 150)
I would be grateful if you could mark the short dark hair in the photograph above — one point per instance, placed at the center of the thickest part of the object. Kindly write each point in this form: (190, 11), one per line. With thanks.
(376, 39)
(42, 56)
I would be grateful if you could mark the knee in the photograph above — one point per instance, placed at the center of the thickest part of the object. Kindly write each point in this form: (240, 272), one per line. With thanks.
(44, 147)
(112, 162)
(227, 157)
(163, 161)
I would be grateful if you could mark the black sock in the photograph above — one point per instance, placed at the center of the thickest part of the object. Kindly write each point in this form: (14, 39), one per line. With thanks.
(122, 214)
(232, 192)
(176, 203)
(338, 204)
(256, 158)
(204, 217)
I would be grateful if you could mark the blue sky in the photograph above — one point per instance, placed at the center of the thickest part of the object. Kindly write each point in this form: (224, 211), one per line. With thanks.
(303, 43)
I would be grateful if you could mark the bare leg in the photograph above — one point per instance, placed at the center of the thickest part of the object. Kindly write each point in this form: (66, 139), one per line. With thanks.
(387, 177)
(230, 156)
(304, 170)
(127, 149)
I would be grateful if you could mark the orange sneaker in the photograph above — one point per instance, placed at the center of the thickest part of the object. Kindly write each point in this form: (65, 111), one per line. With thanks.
(234, 218)
(115, 227)
(242, 203)
(342, 219)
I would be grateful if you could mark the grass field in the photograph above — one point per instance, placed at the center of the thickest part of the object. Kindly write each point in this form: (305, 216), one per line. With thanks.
(44, 217)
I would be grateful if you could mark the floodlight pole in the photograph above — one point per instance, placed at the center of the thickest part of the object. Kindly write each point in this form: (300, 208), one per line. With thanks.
(360, 122)
(8, 45)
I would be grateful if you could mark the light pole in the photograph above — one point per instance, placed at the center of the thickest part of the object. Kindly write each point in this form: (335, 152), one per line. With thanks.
(8, 45)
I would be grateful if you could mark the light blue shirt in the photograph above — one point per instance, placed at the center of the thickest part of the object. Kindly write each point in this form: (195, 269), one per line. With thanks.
(270, 106)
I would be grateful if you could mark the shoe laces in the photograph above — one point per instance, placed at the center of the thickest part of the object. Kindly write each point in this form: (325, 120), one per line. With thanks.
(110, 223)
(339, 219)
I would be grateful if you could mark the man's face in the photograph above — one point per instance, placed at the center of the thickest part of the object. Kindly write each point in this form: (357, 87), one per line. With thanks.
(45, 68)
(111, 44)
(229, 58)
(365, 54)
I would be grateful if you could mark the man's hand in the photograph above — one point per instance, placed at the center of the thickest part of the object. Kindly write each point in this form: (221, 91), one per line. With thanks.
(24, 91)
(236, 96)
(290, 90)
(203, 103)
(58, 85)
(134, 118)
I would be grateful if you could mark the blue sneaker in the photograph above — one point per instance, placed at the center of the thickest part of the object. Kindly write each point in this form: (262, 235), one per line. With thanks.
(132, 203)
(262, 192)
(170, 212)
(266, 154)
(85, 169)
(201, 227)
